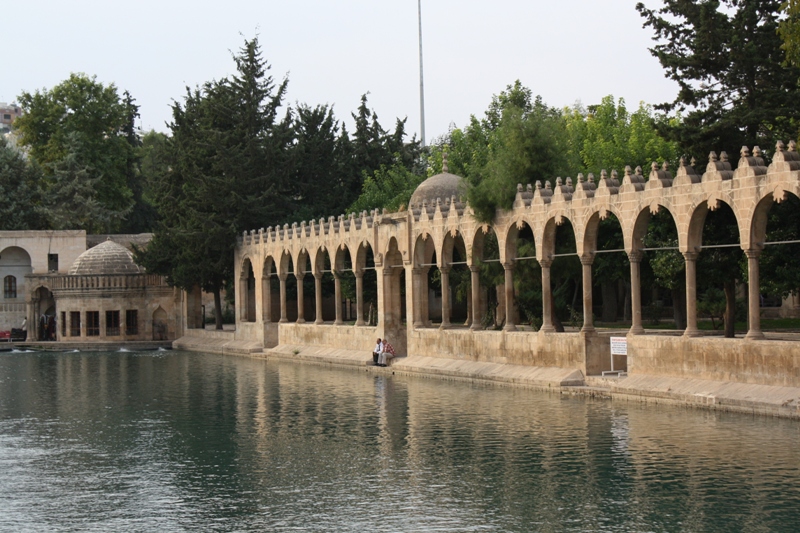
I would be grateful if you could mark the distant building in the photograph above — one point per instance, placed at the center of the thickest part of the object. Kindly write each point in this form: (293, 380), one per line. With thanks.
(8, 114)
(76, 287)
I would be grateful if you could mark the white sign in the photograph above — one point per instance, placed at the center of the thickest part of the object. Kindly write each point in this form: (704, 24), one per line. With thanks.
(619, 346)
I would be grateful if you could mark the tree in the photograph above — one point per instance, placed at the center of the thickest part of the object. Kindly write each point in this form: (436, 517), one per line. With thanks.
(726, 57)
(227, 173)
(389, 187)
(70, 199)
(789, 31)
(527, 143)
(82, 113)
(20, 194)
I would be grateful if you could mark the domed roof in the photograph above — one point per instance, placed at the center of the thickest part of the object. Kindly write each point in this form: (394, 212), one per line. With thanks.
(105, 258)
(442, 186)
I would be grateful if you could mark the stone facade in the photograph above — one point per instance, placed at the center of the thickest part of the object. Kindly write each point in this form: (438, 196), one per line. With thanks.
(406, 245)
(69, 293)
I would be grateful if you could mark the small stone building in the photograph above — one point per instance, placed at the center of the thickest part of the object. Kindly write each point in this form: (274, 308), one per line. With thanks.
(106, 296)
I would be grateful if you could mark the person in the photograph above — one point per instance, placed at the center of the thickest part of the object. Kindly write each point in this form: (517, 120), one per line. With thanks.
(376, 352)
(386, 354)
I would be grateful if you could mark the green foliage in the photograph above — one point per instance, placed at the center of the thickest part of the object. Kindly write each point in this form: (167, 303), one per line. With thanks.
(70, 200)
(726, 57)
(527, 143)
(609, 137)
(227, 173)
(789, 31)
(20, 196)
(778, 263)
(388, 187)
(82, 114)
(712, 305)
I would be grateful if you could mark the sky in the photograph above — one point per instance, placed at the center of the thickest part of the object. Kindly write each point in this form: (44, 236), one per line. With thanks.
(334, 51)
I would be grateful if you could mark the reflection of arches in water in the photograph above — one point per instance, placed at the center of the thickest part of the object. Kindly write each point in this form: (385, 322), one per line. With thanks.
(159, 324)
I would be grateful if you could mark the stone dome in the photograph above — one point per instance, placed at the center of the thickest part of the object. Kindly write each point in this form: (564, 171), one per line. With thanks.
(105, 258)
(444, 186)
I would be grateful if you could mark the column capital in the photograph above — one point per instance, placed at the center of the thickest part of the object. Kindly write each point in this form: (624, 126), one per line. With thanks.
(753, 253)
(546, 262)
(358, 273)
(283, 277)
(474, 268)
(690, 256)
(336, 274)
(635, 256)
(587, 260)
(318, 275)
(508, 265)
(445, 269)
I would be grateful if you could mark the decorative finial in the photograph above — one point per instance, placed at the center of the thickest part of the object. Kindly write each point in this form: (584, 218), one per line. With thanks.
(445, 169)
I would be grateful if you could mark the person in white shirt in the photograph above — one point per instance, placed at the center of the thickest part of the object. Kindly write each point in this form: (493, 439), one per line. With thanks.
(376, 352)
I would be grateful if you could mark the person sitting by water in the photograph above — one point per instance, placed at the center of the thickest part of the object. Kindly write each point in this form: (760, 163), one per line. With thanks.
(386, 354)
(376, 352)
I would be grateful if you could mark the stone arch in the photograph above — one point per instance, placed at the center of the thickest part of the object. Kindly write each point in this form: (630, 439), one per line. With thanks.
(394, 304)
(509, 247)
(247, 287)
(634, 241)
(548, 241)
(697, 219)
(757, 230)
(16, 263)
(366, 284)
(160, 324)
(591, 227)
(454, 263)
(267, 279)
(424, 250)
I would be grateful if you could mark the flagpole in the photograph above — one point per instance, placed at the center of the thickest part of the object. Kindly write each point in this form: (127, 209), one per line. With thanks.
(421, 85)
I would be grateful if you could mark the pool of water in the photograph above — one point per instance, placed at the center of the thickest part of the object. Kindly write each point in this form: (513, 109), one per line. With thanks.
(174, 441)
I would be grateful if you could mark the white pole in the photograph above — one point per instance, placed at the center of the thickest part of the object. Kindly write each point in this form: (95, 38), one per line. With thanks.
(421, 86)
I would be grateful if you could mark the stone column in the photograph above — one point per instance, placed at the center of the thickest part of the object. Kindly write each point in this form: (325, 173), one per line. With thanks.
(318, 298)
(417, 301)
(691, 294)
(386, 313)
(509, 288)
(635, 259)
(359, 297)
(282, 279)
(474, 274)
(588, 319)
(266, 299)
(547, 299)
(753, 296)
(301, 314)
(445, 273)
(33, 320)
(337, 291)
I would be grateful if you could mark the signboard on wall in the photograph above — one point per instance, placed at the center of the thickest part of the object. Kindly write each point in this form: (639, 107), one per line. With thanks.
(619, 346)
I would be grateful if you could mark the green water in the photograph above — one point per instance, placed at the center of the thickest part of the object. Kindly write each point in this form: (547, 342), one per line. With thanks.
(172, 441)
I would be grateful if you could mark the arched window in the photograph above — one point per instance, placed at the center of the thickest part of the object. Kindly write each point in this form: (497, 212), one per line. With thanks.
(9, 287)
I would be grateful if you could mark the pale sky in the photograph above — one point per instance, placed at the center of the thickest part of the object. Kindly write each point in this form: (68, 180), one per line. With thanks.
(334, 51)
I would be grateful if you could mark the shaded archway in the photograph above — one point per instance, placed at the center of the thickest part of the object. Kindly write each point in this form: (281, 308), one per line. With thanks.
(522, 279)
(344, 285)
(366, 286)
(606, 271)
(394, 287)
(455, 281)
(425, 281)
(656, 262)
(270, 288)
(487, 276)
(247, 292)
(561, 268)
(42, 316)
(160, 325)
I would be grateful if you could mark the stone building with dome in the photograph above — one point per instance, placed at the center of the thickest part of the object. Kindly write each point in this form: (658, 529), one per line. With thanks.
(74, 287)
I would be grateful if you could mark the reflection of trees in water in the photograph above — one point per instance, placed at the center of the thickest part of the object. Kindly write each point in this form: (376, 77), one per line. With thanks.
(272, 437)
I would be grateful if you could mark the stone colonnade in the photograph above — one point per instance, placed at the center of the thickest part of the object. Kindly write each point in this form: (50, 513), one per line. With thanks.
(409, 241)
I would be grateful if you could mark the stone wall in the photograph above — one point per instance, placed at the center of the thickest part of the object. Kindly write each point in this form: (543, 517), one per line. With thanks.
(767, 363)
(343, 337)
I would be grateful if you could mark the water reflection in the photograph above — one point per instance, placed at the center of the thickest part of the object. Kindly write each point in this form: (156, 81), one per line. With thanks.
(176, 441)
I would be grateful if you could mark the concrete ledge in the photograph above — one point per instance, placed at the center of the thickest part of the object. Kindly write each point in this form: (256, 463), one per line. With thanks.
(531, 376)
(720, 395)
(224, 345)
(321, 354)
(99, 346)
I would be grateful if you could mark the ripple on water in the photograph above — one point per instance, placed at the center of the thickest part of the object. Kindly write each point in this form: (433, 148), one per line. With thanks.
(146, 441)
